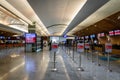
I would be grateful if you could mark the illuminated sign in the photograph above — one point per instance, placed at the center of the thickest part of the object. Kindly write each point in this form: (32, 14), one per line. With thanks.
(111, 33)
(117, 32)
(30, 38)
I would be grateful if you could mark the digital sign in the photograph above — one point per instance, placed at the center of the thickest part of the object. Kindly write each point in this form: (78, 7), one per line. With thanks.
(86, 37)
(2, 37)
(117, 32)
(99, 35)
(30, 38)
(111, 33)
(102, 34)
(92, 36)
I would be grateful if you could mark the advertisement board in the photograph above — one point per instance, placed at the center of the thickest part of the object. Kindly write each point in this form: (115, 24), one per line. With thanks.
(30, 37)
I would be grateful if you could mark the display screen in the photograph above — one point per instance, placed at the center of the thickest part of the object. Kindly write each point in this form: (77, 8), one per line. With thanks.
(92, 36)
(82, 37)
(2, 37)
(102, 34)
(86, 37)
(99, 35)
(111, 33)
(117, 32)
(30, 38)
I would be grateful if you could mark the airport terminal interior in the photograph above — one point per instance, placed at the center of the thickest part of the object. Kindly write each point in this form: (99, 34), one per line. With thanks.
(59, 39)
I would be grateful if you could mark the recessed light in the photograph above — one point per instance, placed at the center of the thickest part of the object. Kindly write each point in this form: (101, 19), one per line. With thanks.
(95, 25)
(118, 17)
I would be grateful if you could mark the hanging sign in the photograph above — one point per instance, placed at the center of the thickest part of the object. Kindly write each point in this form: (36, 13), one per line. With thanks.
(80, 47)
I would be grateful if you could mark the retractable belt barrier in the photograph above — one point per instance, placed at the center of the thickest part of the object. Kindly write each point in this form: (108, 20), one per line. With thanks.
(108, 50)
(80, 49)
(54, 49)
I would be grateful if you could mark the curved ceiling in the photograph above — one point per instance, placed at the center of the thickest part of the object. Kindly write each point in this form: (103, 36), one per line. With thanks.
(56, 12)
(75, 14)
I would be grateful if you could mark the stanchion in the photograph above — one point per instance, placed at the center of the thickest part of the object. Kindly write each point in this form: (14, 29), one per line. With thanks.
(69, 51)
(98, 59)
(54, 49)
(108, 50)
(54, 67)
(62, 46)
(65, 49)
(92, 57)
(86, 51)
(108, 62)
(80, 68)
(80, 49)
(73, 53)
(87, 46)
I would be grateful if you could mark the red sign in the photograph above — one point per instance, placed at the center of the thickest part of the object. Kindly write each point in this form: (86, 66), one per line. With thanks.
(80, 47)
(102, 34)
(54, 46)
(111, 33)
(87, 45)
(117, 32)
(108, 47)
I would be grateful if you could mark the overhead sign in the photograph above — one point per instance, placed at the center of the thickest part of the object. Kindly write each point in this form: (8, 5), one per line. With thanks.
(80, 47)
(54, 47)
(108, 47)
(87, 45)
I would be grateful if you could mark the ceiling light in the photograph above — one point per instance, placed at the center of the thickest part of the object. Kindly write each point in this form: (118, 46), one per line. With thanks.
(118, 17)
(95, 25)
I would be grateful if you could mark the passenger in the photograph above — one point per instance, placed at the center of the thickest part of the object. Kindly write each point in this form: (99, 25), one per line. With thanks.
(50, 45)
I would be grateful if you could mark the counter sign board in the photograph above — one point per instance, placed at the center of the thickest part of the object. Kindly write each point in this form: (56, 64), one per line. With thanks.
(80, 47)
(54, 47)
(108, 47)
(87, 45)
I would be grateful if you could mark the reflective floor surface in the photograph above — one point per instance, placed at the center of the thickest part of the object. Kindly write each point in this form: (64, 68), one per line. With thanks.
(39, 66)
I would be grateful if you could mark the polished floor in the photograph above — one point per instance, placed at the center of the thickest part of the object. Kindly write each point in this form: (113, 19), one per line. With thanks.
(39, 66)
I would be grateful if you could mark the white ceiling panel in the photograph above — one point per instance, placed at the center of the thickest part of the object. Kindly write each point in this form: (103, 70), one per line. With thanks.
(56, 11)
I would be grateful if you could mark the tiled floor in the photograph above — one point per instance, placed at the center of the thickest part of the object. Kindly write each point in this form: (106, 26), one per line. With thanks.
(38, 66)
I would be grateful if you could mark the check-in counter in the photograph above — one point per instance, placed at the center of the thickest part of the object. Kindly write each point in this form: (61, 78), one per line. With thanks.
(116, 49)
(99, 47)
